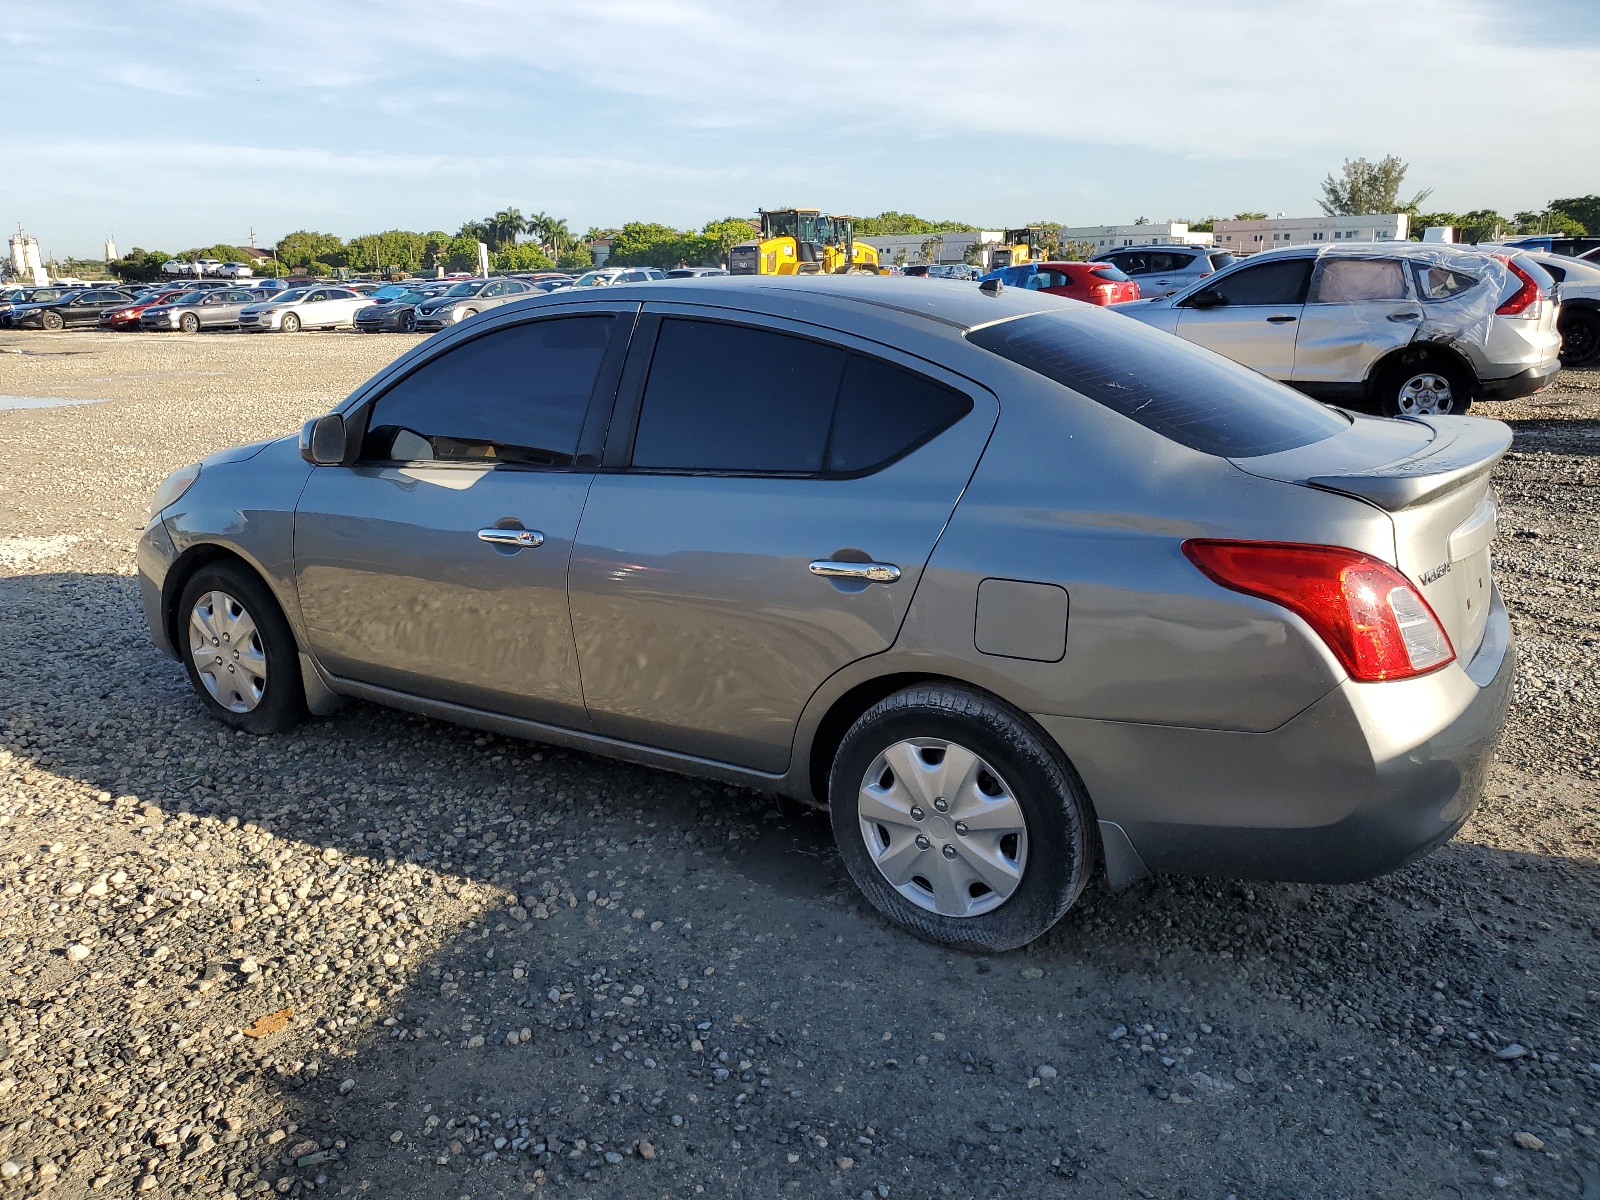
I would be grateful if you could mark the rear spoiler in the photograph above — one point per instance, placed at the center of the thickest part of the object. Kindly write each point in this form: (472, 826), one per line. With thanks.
(1462, 450)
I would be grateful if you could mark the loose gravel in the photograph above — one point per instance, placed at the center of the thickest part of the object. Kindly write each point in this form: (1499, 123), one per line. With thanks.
(384, 956)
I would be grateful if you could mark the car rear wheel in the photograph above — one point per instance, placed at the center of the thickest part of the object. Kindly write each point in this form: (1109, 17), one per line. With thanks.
(291, 323)
(1425, 387)
(241, 656)
(189, 323)
(1580, 336)
(958, 820)
(53, 320)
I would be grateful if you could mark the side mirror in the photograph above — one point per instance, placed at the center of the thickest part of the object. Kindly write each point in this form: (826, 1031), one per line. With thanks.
(322, 441)
(1206, 298)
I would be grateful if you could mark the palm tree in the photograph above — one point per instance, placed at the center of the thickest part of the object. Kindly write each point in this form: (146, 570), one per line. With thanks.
(556, 236)
(504, 227)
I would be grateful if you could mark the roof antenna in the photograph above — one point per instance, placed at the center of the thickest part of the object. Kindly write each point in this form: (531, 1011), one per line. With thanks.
(991, 287)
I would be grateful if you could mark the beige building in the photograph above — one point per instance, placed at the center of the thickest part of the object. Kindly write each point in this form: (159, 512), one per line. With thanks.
(1252, 237)
(1151, 233)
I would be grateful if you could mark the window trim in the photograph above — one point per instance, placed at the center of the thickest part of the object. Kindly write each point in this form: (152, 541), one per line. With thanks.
(618, 455)
(597, 411)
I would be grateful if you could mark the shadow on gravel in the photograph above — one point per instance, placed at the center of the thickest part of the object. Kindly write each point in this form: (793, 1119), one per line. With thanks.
(1580, 437)
(515, 968)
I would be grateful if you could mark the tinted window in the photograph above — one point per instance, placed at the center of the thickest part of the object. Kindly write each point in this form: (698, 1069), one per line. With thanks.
(1049, 278)
(1133, 264)
(1198, 399)
(1440, 283)
(1107, 271)
(730, 398)
(517, 395)
(1160, 262)
(1354, 280)
(1218, 261)
(884, 412)
(1281, 282)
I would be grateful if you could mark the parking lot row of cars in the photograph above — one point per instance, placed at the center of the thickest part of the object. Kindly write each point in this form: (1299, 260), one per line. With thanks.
(406, 306)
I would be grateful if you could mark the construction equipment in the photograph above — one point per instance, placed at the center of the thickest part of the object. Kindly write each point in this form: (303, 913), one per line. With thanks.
(1018, 247)
(803, 241)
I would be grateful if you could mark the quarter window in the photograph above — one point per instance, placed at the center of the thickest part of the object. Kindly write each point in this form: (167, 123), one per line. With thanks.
(516, 395)
(1440, 283)
(729, 398)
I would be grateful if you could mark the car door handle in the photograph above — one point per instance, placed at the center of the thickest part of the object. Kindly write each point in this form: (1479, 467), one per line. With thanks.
(1405, 316)
(518, 538)
(866, 572)
(1279, 320)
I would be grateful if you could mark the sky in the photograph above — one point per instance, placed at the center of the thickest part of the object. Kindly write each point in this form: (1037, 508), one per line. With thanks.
(192, 123)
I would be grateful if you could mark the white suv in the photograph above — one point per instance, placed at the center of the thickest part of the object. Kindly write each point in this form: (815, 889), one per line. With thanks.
(1408, 327)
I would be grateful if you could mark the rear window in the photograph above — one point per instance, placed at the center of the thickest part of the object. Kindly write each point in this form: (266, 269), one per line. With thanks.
(1195, 398)
(1220, 260)
(1440, 283)
(1107, 271)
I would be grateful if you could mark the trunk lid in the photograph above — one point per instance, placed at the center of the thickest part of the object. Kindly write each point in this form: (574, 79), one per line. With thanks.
(1431, 476)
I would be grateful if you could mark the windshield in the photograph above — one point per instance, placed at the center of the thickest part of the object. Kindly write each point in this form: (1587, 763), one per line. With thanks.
(593, 279)
(779, 224)
(289, 297)
(191, 298)
(392, 292)
(1187, 394)
(470, 288)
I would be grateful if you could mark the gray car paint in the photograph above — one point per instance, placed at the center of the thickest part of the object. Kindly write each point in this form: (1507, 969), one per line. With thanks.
(1215, 731)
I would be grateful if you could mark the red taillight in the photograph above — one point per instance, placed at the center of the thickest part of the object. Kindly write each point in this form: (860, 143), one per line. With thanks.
(1102, 293)
(1374, 621)
(1526, 300)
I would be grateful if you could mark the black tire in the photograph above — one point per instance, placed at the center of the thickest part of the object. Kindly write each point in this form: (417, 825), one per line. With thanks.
(290, 323)
(1061, 843)
(53, 321)
(1398, 378)
(1580, 336)
(282, 703)
(411, 322)
(189, 323)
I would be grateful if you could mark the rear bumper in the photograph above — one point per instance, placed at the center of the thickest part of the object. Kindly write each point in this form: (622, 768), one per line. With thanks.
(1364, 781)
(1524, 383)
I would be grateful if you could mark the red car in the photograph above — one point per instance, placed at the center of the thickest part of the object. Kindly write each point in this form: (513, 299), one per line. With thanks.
(127, 317)
(1091, 282)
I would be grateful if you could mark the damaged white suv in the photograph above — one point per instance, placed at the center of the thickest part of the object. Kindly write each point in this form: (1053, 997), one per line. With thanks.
(1407, 328)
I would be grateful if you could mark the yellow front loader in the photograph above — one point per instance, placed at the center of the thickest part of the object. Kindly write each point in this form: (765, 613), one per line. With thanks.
(1020, 246)
(803, 241)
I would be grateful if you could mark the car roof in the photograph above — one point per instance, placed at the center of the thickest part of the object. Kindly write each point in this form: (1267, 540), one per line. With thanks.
(813, 297)
(1164, 246)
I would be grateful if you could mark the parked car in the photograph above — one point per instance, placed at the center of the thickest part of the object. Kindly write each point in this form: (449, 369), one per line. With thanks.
(1412, 328)
(1555, 243)
(21, 297)
(1092, 282)
(394, 313)
(236, 270)
(75, 307)
(964, 272)
(1579, 319)
(1162, 270)
(127, 316)
(1591, 255)
(467, 299)
(819, 541)
(606, 276)
(212, 308)
(302, 308)
(693, 272)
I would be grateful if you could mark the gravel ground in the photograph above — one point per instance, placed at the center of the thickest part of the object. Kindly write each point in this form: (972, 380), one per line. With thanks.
(390, 957)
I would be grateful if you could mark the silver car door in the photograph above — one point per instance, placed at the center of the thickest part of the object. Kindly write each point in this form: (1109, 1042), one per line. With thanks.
(733, 557)
(1358, 310)
(1251, 314)
(436, 563)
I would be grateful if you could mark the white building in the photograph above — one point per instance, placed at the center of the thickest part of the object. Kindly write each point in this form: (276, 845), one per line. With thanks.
(1251, 237)
(945, 247)
(1112, 237)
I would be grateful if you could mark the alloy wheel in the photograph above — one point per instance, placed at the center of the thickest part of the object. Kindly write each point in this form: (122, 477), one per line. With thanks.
(227, 651)
(1425, 393)
(942, 827)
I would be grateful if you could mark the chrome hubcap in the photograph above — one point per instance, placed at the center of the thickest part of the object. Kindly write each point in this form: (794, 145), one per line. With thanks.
(227, 652)
(1426, 393)
(942, 827)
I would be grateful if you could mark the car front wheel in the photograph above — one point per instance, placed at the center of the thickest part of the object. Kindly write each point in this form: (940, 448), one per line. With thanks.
(53, 321)
(1580, 336)
(190, 323)
(291, 323)
(957, 819)
(241, 656)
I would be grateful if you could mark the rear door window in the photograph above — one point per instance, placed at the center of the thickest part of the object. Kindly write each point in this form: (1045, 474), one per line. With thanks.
(1195, 398)
(516, 396)
(1133, 264)
(1357, 280)
(1271, 283)
(1161, 263)
(738, 400)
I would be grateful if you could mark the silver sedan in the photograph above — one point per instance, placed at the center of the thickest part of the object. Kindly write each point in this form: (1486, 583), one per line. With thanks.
(1018, 589)
(218, 308)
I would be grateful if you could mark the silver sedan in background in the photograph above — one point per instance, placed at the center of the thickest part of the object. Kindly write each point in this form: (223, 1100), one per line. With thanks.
(1015, 587)
(215, 309)
(303, 308)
